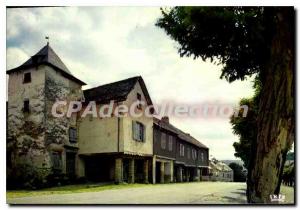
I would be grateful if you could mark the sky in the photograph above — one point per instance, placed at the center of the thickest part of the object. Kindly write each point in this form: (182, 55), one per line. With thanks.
(106, 44)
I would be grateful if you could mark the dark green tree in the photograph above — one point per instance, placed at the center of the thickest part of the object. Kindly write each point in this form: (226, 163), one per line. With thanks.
(238, 173)
(246, 127)
(247, 41)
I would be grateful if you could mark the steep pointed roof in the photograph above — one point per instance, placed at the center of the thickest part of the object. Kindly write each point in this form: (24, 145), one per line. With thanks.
(47, 56)
(117, 91)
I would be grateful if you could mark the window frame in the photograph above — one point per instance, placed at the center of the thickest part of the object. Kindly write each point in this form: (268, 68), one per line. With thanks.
(141, 131)
(163, 141)
(26, 106)
(181, 150)
(28, 80)
(170, 143)
(194, 154)
(56, 158)
(73, 135)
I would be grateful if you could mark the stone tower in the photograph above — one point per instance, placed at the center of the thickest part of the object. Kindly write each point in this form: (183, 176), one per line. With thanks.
(39, 145)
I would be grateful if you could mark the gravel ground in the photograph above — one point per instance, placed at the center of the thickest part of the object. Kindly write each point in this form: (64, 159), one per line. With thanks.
(180, 193)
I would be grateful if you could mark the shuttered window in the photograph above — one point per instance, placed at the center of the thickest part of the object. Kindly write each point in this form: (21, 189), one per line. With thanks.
(170, 142)
(194, 154)
(181, 150)
(138, 131)
(163, 141)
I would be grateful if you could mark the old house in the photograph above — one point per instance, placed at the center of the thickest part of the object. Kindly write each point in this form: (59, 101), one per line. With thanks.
(219, 171)
(38, 144)
(177, 156)
(117, 148)
(112, 148)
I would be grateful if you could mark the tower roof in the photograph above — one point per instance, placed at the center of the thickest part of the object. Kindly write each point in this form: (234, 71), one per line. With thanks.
(47, 56)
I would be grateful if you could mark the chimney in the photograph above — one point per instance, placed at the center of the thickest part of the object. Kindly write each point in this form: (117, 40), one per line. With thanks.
(165, 119)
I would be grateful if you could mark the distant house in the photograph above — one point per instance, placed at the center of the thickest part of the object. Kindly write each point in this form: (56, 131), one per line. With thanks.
(219, 171)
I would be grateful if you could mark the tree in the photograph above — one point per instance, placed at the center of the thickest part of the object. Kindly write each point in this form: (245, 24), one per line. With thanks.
(238, 173)
(247, 41)
(246, 127)
(288, 176)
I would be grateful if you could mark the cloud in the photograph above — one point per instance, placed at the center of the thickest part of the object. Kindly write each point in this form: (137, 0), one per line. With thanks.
(15, 57)
(106, 44)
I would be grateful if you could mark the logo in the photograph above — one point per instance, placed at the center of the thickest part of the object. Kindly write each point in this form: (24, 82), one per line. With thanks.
(277, 198)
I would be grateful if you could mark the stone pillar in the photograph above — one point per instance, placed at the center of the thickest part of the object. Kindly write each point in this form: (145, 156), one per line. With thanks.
(118, 170)
(80, 168)
(179, 174)
(162, 172)
(131, 171)
(172, 171)
(196, 174)
(146, 179)
(154, 170)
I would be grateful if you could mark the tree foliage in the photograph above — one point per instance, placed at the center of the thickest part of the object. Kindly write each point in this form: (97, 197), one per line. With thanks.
(238, 172)
(246, 127)
(239, 38)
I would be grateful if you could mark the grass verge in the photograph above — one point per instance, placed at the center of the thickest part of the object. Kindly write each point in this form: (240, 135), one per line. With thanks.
(68, 189)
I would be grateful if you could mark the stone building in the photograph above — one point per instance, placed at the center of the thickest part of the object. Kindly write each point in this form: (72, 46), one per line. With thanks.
(42, 148)
(37, 143)
(117, 148)
(219, 171)
(177, 156)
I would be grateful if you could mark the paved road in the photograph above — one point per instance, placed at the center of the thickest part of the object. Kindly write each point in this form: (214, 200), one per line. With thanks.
(180, 193)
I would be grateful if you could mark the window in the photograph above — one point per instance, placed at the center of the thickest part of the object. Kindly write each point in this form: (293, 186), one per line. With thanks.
(72, 135)
(26, 106)
(27, 77)
(194, 154)
(139, 98)
(188, 153)
(170, 142)
(163, 141)
(138, 130)
(181, 150)
(56, 161)
(202, 156)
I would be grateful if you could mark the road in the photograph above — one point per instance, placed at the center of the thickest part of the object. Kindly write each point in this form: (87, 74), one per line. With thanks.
(180, 193)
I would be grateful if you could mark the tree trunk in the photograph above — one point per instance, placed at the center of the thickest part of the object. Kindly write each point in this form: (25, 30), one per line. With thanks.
(276, 116)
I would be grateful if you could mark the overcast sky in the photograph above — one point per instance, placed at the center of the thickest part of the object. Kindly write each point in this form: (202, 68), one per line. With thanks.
(106, 44)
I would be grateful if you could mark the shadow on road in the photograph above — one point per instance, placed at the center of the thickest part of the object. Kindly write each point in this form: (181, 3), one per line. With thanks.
(233, 200)
(238, 197)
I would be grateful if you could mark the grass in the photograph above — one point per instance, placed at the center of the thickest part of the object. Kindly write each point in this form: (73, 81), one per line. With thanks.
(288, 192)
(79, 188)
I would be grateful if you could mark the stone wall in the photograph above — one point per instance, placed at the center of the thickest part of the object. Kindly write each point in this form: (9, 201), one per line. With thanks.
(29, 159)
(58, 87)
(31, 137)
(131, 146)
